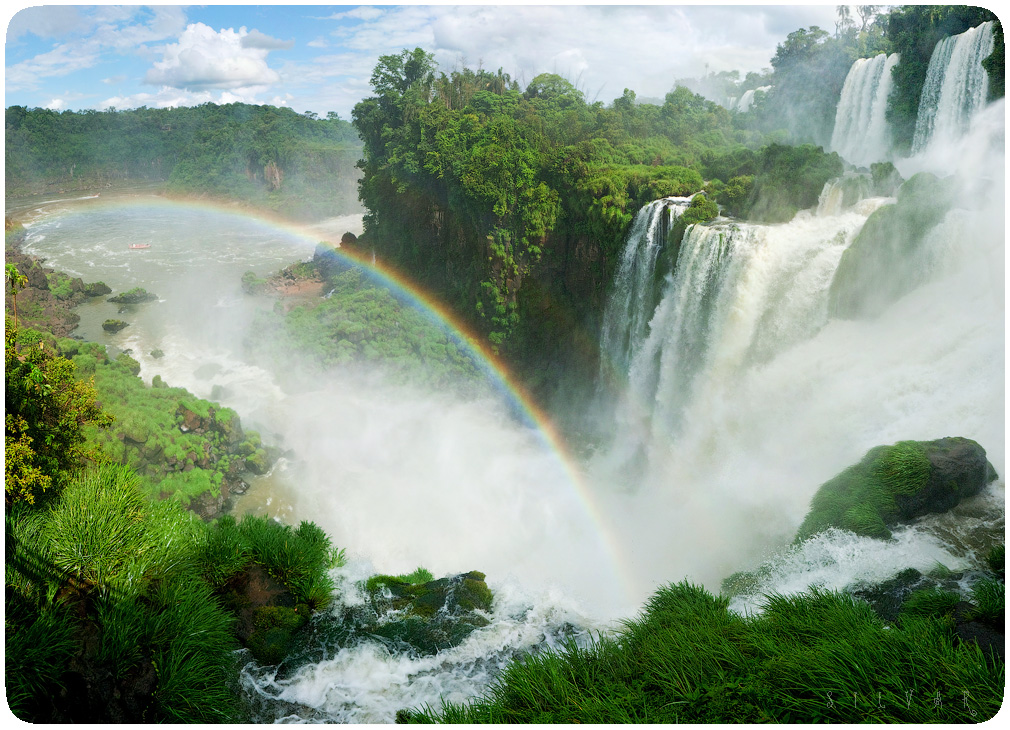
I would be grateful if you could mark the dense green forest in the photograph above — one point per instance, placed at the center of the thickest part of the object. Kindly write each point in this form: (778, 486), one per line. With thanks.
(270, 157)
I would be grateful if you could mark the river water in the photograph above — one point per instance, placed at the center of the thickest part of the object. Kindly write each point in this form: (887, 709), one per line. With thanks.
(398, 476)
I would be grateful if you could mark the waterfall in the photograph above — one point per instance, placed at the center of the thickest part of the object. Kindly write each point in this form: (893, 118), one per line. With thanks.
(632, 300)
(861, 134)
(739, 293)
(956, 86)
(743, 394)
(844, 192)
(747, 100)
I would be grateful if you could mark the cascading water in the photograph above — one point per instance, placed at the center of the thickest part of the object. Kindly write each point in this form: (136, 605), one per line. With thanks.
(956, 86)
(634, 284)
(861, 134)
(744, 394)
(746, 101)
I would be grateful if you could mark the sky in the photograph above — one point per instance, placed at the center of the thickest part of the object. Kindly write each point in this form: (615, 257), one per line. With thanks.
(319, 58)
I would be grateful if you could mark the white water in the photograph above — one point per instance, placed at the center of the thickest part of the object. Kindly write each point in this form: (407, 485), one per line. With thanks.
(861, 135)
(956, 87)
(746, 100)
(743, 396)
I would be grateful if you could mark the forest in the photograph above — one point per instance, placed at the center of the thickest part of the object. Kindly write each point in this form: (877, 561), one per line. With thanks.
(132, 595)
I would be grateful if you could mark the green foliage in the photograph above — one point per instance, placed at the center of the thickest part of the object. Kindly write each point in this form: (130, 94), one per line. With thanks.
(300, 558)
(148, 434)
(818, 657)
(701, 210)
(862, 497)
(133, 562)
(989, 597)
(364, 324)
(789, 179)
(271, 157)
(475, 186)
(48, 413)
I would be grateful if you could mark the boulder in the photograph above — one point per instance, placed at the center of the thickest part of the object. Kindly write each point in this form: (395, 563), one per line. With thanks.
(429, 616)
(114, 325)
(898, 483)
(136, 295)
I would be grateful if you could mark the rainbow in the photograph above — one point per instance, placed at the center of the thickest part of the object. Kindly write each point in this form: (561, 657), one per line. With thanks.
(494, 369)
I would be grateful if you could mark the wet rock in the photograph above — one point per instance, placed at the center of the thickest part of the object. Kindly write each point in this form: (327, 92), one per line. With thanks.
(896, 484)
(429, 616)
(114, 325)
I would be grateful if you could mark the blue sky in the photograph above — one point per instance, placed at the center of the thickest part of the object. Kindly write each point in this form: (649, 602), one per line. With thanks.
(320, 57)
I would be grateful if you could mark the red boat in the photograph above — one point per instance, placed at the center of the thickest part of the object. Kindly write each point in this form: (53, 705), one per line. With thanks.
(140, 245)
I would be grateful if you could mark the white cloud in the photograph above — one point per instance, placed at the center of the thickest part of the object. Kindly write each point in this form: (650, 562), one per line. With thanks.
(317, 43)
(61, 60)
(45, 21)
(168, 96)
(208, 59)
(362, 12)
(255, 39)
(55, 104)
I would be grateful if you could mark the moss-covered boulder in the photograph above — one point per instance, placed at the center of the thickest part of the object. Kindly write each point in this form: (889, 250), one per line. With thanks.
(137, 295)
(887, 259)
(114, 325)
(97, 289)
(429, 616)
(895, 484)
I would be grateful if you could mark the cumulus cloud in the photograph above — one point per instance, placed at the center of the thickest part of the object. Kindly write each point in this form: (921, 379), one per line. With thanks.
(208, 59)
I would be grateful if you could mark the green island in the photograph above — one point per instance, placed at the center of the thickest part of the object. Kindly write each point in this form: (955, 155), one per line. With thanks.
(132, 595)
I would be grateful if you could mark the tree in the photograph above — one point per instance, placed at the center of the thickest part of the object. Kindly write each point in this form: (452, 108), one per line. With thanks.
(15, 280)
(46, 411)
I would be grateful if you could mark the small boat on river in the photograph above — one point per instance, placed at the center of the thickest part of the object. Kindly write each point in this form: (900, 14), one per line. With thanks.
(135, 246)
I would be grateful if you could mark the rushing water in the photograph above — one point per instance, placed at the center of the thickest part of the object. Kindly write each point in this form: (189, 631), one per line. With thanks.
(956, 86)
(861, 135)
(398, 476)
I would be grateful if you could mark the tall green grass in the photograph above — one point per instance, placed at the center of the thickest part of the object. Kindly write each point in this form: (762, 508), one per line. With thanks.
(817, 657)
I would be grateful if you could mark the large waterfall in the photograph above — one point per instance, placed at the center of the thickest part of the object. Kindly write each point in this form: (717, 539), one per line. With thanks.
(861, 134)
(956, 86)
(742, 394)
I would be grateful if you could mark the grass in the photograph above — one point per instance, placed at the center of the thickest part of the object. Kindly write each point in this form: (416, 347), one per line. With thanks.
(817, 657)
(126, 588)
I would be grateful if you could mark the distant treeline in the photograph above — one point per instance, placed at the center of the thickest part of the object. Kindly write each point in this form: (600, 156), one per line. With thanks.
(268, 156)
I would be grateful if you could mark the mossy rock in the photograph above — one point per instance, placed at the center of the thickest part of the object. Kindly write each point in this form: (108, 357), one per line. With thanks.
(274, 630)
(157, 354)
(429, 616)
(97, 289)
(137, 295)
(114, 325)
(895, 484)
(886, 260)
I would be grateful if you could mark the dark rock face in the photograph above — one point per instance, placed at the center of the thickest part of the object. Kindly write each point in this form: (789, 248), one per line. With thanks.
(959, 469)
(898, 483)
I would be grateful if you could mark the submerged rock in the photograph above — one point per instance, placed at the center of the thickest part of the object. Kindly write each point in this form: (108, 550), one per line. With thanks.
(896, 484)
(428, 616)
